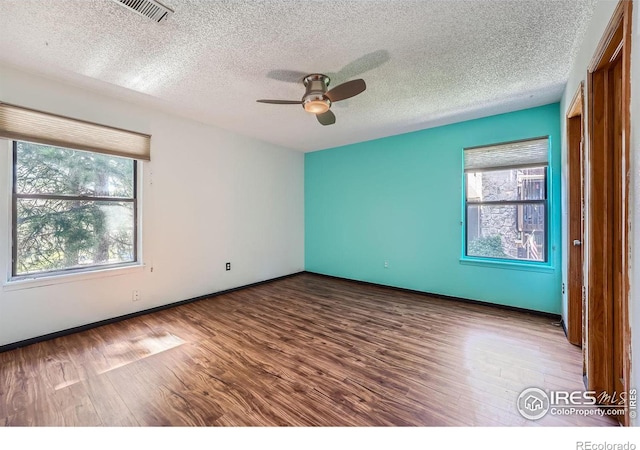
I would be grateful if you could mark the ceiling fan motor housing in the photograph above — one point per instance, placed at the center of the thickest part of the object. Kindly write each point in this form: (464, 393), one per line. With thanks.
(315, 100)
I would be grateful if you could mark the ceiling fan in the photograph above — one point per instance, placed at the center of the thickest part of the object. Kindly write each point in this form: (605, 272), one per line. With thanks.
(317, 99)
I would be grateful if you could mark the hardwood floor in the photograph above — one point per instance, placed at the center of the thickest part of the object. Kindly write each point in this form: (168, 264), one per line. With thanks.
(302, 351)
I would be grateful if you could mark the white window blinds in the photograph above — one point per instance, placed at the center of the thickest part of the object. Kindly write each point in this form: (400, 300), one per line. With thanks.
(534, 152)
(29, 125)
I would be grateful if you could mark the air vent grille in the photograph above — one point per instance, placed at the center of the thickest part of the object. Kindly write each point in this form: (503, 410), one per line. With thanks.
(152, 9)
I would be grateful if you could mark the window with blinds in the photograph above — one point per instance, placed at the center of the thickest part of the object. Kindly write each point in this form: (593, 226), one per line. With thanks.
(24, 124)
(506, 200)
(74, 193)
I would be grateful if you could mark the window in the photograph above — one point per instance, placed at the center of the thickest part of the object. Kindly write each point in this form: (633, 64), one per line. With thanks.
(506, 200)
(74, 189)
(72, 210)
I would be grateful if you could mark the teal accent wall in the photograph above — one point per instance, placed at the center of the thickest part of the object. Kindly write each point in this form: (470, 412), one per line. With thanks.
(400, 199)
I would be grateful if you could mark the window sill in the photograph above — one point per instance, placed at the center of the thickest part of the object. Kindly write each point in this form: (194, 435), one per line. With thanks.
(510, 265)
(49, 280)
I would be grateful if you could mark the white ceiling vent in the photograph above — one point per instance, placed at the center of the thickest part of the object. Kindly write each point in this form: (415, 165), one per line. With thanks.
(152, 9)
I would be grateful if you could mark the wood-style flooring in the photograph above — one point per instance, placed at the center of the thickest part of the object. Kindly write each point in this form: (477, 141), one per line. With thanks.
(302, 351)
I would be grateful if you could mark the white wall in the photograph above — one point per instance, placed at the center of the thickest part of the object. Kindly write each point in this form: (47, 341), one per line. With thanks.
(209, 196)
(602, 14)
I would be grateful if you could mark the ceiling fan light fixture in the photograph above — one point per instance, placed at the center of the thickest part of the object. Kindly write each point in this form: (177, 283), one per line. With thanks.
(317, 105)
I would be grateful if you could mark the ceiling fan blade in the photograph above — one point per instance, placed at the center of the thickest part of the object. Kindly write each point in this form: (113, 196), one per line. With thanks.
(281, 102)
(346, 90)
(327, 118)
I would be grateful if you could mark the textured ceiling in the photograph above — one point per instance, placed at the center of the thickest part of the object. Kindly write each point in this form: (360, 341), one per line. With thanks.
(425, 63)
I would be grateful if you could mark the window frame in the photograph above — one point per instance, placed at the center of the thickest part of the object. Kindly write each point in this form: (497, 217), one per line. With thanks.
(514, 262)
(13, 275)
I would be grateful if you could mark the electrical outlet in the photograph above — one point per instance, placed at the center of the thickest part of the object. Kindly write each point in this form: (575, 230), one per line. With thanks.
(386, 264)
(228, 266)
(135, 296)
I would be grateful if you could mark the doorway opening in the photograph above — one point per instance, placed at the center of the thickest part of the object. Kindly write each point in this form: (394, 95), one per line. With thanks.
(575, 184)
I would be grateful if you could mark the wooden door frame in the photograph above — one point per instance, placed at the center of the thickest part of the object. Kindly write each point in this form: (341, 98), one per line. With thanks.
(575, 193)
(600, 236)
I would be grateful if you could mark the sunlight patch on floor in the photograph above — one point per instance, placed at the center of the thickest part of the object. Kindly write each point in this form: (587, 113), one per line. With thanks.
(123, 353)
